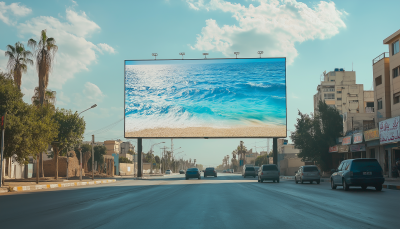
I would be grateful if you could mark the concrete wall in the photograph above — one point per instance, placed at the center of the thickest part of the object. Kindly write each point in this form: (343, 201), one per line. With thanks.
(126, 168)
(49, 166)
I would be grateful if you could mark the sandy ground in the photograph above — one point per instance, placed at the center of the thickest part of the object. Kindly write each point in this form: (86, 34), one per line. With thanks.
(194, 132)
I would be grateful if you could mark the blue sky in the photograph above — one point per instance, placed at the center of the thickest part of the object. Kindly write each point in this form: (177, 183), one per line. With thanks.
(95, 38)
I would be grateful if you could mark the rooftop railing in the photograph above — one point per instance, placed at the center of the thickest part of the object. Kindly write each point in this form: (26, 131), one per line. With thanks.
(380, 57)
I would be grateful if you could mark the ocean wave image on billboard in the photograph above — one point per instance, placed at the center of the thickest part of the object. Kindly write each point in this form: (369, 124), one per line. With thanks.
(205, 98)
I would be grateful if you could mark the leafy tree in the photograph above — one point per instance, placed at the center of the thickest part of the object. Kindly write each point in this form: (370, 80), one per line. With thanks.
(315, 133)
(157, 159)
(124, 160)
(18, 59)
(99, 152)
(70, 132)
(262, 160)
(131, 152)
(44, 52)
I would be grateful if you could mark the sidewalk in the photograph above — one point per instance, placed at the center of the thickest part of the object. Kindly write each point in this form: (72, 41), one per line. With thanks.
(390, 183)
(21, 185)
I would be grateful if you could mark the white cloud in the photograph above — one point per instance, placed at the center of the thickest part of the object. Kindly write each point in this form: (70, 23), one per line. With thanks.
(75, 52)
(273, 27)
(14, 9)
(92, 92)
(106, 47)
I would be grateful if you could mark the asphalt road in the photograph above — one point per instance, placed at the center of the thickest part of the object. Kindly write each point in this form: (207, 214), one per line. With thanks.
(228, 201)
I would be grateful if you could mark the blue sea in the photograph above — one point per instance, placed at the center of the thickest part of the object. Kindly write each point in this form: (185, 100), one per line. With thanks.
(219, 93)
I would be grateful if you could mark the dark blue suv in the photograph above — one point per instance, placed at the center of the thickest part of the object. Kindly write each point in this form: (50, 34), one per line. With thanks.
(358, 172)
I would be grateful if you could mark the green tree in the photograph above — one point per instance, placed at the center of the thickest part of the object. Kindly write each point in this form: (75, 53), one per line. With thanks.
(18, 60)
(262, 160)
(70, 132)
(99, 152)
(315, 133)
(44, 52)
(124, 160)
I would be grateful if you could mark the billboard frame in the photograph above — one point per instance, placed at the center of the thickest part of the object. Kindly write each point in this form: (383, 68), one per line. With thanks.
(160, 60)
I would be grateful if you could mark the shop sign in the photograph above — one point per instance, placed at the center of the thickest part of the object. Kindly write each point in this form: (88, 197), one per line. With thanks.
(333, 149)
(370, 135)
(389, 130)
(346, 140)
(357, 148)
(340, 139)
(357, 138)
(343, 149)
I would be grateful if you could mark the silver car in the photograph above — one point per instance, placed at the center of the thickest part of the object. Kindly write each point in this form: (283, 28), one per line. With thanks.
(268, 172)
(308, 173)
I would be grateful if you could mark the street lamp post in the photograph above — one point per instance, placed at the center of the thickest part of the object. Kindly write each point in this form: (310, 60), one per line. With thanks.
(79, 146)
(151, 151)
(182, 54)
(236, 53)
(155, 55)
(205, 55)
(260, 52)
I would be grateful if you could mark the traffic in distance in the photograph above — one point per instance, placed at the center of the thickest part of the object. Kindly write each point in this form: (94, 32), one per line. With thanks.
(360, 172)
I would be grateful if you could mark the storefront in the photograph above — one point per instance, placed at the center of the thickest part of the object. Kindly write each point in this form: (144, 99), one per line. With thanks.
(357, 149)
(346, 141)
(389, 137)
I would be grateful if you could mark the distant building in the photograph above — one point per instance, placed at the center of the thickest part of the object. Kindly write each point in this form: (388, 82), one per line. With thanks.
(289, 162)
(113, 146)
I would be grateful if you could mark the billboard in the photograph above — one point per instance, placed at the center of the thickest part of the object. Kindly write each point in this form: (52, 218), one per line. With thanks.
(389, 130)
(201, 98)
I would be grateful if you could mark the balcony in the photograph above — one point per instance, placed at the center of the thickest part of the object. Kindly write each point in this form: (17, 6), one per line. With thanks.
(369, 110)
(380, 57)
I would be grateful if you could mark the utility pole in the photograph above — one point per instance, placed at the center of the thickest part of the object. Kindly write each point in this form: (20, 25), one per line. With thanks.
(140, 149)
(163, 159)
(2, 127)
(92, 157)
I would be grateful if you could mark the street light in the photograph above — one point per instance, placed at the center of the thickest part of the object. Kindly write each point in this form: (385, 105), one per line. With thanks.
(260, 52)
(151, 151)
(205, 55)
(80, 150)
(182, 54)
(236, 53)
(155, 55)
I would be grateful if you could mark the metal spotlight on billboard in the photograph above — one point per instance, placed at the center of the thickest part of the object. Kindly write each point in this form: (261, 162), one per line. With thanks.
(205, 98)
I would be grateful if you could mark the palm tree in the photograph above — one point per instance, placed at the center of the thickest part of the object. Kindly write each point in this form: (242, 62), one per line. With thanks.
(44, 51)
(18, 59)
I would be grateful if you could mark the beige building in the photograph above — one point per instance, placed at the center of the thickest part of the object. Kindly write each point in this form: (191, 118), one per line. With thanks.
(289, 162)
(113, 146)
(386, 81)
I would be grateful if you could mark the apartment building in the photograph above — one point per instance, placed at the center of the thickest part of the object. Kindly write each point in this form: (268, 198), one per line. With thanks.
(126, 147)
(113, 146)
(383, 140)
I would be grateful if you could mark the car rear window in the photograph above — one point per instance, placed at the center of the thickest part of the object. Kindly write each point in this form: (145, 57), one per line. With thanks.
(365, 165)
(270, 168)
(250, 169)
(193, 169)
(310, 169)
(209, 168)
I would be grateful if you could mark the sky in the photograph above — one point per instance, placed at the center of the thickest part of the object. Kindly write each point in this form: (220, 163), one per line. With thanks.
(94, 39)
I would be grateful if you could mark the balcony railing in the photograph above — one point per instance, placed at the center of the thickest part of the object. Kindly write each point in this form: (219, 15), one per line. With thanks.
(369, 110)
(380, 57)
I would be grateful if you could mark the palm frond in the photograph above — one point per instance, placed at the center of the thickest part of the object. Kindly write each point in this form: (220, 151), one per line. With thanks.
(11, 48)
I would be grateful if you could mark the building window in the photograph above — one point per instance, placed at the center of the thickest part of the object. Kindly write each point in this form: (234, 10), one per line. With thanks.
(378, 80)
(329, 89)
(339, 98)
(395, 47)
(396, 98)
(395, 72)
(329, 96)
(339, 92)
(379, 104)
(353, 101)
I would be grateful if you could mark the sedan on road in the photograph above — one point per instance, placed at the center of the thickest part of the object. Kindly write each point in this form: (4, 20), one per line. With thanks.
(309, 173)
(210, 172)
(249, 171)
(362, 172)
(181, 171)
(268, 172)
(193, 173)
(168, 171)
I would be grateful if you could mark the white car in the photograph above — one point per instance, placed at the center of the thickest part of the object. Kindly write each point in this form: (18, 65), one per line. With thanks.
(168, 171)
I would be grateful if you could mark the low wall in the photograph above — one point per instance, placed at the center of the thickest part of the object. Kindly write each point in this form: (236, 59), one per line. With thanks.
(49, 167)
(126, 169)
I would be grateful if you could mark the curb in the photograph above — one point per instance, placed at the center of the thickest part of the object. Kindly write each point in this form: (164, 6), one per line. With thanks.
(59, 185)
(292, 178)
(389, 186)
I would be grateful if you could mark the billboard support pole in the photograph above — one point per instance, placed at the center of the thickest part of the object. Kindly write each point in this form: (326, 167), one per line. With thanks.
(139, 162)
(275, 150)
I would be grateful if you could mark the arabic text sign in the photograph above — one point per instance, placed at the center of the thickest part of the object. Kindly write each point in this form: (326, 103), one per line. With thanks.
(370, 135)
(357, 148)
(357, 138)
(333, 149)
(389, 130)
(343, 149)
(346, 140)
